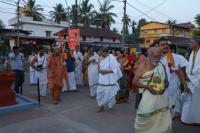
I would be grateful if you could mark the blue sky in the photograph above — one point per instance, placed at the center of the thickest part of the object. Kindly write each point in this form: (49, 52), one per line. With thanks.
(160, 10)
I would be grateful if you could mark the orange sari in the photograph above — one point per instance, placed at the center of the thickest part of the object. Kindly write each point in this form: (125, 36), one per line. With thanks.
(55, 75)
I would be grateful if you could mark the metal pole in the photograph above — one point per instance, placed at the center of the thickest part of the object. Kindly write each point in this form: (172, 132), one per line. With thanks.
(18, 22)
(38, 89)
(21, 89)
(123, 39)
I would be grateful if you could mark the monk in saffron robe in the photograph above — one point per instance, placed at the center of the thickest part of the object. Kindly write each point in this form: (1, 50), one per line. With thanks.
(55, 74)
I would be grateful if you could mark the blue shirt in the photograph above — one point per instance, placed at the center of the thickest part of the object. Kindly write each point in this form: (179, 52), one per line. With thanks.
(16, 61)
(70, 64)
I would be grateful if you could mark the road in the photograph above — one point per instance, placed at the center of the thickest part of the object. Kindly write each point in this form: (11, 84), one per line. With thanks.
(77, 113)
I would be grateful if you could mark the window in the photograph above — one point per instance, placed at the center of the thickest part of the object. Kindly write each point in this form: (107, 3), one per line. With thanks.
(48, 33)
(101, 38)
(113, 39)
(84, 38)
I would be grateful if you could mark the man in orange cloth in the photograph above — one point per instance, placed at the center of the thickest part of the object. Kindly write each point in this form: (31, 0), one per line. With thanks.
(55, 74)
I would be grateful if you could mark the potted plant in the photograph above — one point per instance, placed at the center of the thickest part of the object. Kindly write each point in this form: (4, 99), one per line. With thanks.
(7, 78)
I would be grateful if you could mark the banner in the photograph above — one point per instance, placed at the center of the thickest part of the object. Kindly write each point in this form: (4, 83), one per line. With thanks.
(73, 37)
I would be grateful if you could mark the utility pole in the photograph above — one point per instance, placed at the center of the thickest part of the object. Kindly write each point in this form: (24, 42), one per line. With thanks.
(18, 22)
(123, 39)
(76, 14)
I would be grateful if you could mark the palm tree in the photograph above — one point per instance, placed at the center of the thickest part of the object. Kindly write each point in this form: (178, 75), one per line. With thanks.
(170, 22)
(86, 13)
(115, 30)
(104, 17)
(127, 22)
(72, 15)
(33, 10)
(1, 24)
(58, 14)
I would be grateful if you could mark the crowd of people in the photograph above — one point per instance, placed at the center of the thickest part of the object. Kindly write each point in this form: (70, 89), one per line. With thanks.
(166, 84)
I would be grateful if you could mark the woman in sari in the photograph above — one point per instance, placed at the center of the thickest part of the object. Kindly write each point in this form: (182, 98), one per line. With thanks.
(123, 93)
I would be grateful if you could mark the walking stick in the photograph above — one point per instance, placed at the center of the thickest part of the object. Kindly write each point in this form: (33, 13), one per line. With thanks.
(21, 89)
(38, 89)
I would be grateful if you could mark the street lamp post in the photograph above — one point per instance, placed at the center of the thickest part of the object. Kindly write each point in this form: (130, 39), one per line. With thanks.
(18, 22)
(123, 38)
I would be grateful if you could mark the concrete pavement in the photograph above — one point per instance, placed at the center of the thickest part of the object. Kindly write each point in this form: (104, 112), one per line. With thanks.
(75, 114)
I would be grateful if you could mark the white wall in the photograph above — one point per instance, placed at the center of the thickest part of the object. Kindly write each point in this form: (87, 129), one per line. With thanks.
(40, 30)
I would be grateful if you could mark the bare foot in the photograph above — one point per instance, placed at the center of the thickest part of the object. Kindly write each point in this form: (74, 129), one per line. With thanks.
(110, 110)
(101, 109)
(55, 102)
(92, 97)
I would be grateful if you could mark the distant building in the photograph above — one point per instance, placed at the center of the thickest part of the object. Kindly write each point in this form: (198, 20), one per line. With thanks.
(41, 32)
(92, 36)
(150, 32)
(44, 28)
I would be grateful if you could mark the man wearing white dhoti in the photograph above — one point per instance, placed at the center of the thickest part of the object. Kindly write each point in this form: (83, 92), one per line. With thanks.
(181, 63)
(41, 68)
(191, 106)
(170, 60)
(109, 74)
(153, 113)
(78, 67)
(93, 72)
(32, 71)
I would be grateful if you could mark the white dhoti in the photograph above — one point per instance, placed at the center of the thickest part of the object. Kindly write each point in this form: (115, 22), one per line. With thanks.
(107, 84)
(78, 69)
(42, 82)
(64, 86)
(178, 104)
(42, 75)
(191, 106)
(33, 77)
(79, 74)
(153, 113)
(93, 90)
(172, 89)
(93, 74)
(72, 81)
(106, 95)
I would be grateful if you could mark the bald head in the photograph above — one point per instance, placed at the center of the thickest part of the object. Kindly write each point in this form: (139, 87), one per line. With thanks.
(153, 50)
(154, 55)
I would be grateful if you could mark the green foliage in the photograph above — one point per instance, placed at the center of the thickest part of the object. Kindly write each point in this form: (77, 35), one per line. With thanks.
(141, 23)
(86, 13)
(73, 15)
(134, 36)
(171, 22)
(197, 31)
(58, 14)
(4, 68)
(104, 17)
(115, 30)
(32, 10)
(197, 20)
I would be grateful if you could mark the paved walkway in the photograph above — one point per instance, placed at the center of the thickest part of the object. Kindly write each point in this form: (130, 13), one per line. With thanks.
(75, 114)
